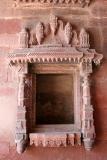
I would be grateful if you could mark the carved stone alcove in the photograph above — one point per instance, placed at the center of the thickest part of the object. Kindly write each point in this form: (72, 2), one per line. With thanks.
(54, 101)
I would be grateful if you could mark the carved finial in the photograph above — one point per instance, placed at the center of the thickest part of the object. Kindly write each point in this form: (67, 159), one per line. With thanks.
(53, 23)
(33, 39)
(40, 32)
(23, 38)
(68, 33)
(75, 38)
(84, 39)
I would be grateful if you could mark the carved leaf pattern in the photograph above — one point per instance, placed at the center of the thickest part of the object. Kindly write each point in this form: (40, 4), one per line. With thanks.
(39, 32)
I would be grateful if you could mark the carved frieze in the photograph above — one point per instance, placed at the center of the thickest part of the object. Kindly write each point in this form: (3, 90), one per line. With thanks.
(55, 33)
(30, 3)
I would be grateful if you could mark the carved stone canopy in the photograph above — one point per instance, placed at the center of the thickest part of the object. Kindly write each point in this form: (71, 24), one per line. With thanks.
(48, 3)
(71, 56)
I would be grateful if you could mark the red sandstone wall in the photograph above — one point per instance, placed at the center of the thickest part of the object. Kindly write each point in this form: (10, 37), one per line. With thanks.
(95, 20)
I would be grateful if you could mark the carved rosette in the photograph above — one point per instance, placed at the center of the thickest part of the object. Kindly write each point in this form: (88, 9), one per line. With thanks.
(68, 33)
(88, 128)
(39, 32)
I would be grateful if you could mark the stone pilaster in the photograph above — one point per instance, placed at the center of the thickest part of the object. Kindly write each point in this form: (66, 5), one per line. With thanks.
(88, 129)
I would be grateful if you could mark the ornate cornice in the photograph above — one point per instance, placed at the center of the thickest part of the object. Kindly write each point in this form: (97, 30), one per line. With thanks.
(54, 55)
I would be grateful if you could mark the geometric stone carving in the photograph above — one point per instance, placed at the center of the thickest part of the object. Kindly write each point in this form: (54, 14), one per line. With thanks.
(29, 3)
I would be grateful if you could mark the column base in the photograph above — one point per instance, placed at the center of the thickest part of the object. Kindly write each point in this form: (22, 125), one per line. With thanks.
(88, 143)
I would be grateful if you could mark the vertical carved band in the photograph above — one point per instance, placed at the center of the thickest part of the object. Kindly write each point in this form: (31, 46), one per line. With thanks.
(21, 125)
(88, 129)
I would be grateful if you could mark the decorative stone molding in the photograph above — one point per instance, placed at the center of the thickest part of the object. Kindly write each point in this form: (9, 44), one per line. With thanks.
(54, 55)
(73, 56)
(55, 139)
(34, 3)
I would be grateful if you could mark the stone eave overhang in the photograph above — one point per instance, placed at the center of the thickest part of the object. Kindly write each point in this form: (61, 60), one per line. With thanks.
(54, 54)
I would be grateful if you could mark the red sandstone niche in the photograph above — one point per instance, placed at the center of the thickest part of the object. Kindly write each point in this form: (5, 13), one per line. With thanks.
(56, 49)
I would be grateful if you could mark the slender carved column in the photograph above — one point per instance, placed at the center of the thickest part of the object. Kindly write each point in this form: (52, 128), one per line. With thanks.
(88, 129)
(21, 126)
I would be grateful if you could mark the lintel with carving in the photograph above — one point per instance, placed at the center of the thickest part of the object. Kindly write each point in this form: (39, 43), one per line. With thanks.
(73, 53)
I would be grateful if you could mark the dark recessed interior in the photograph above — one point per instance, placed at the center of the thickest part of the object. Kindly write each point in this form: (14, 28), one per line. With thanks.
(54, 99)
